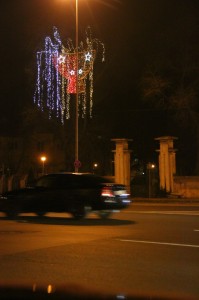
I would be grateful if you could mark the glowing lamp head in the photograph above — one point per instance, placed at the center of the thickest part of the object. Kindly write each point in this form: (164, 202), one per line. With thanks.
(43, 158)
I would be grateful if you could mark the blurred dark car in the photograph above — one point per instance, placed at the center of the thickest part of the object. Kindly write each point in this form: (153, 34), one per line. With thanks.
(74, 193)
(70, 291)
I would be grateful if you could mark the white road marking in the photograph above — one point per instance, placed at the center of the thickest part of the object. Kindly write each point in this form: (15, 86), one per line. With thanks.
(160, 243)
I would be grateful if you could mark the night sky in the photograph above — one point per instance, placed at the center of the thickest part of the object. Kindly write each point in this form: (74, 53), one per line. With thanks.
(135, 34)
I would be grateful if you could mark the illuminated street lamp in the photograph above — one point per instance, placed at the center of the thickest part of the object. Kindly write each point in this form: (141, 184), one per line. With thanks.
(63, 71)
(95, 166)
(150, 166)
(77, 163)
(43, 160)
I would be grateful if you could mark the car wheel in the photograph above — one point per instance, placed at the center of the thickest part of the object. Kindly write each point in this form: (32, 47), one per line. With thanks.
(103, 214)
(12, 212)
(80, 211)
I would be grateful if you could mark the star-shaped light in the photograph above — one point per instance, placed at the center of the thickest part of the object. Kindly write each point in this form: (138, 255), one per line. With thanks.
(80, 71)
(72, 72)
(61, 59)
(88, 57)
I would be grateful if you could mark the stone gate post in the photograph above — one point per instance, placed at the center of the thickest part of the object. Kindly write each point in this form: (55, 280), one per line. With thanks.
(122, 162)
(167, 162)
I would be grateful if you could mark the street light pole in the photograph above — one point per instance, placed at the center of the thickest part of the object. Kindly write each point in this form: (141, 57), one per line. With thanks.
(77, 93)
(43, 159)
(150, 167)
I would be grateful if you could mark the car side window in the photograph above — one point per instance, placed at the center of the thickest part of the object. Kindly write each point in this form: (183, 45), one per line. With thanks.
(85, 181)
(64, 181)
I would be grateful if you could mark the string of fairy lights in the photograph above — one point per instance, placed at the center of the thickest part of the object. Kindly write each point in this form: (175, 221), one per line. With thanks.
(57, 75)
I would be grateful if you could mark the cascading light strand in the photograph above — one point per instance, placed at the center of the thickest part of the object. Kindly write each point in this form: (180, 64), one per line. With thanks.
(57, 75)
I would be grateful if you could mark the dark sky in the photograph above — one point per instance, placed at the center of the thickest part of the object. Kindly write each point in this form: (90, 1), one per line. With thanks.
(135, 32)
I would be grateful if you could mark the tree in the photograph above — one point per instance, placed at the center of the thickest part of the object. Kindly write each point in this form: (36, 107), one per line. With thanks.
(172, 86)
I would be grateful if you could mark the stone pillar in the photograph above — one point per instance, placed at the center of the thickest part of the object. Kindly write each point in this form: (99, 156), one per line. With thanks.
(122, 162)
(167, 162)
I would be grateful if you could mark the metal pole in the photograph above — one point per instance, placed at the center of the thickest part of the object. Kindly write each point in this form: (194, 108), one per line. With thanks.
(149, 182)
(43, 167)
(77, 96)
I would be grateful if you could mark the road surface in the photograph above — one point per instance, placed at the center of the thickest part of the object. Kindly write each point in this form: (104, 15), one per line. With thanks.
(148, 248)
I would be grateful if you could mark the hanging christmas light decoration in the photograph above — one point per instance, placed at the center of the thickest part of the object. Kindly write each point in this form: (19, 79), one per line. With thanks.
(57, 75)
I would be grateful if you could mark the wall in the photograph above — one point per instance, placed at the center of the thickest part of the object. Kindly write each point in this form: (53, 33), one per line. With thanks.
(186, 186)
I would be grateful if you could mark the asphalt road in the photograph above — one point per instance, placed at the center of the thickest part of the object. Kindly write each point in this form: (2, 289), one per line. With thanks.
(148, 248)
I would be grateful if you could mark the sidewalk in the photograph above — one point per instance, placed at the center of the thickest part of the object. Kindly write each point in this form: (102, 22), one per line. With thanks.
(165, 200)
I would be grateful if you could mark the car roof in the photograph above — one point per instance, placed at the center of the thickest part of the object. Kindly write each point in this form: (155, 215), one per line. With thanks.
(85, 175)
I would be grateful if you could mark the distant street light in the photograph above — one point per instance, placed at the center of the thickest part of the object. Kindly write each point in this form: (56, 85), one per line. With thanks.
(43, 160)
(150, 166)
(95, 166)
